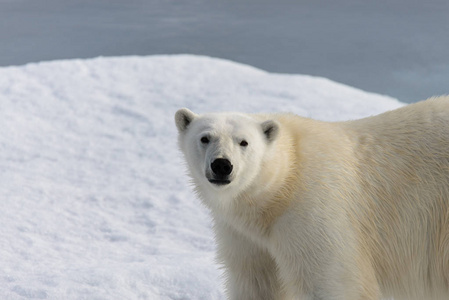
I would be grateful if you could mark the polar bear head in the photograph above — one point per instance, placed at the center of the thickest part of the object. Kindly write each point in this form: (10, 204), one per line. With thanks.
(224, 151)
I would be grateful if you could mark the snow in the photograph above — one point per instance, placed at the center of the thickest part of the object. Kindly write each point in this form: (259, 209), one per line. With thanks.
(95, 203)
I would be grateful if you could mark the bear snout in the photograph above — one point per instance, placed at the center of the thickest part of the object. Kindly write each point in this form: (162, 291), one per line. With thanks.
(221, 168)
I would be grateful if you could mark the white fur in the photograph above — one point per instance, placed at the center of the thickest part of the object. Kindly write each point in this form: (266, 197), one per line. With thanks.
(316, 210)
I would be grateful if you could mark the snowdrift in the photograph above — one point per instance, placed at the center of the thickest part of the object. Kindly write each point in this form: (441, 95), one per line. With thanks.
(95, 203)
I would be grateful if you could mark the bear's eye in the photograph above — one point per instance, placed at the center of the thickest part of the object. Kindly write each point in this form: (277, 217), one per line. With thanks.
(243, 143)
(204, 140)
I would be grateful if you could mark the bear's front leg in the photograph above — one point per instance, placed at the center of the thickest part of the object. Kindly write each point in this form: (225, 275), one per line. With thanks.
(251, 273)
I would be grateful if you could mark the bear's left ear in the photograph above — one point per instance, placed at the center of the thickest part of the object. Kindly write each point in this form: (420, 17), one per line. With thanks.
(270, 129)
(183, 118)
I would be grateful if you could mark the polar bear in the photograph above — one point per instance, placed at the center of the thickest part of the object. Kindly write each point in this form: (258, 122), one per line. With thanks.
(305, 209)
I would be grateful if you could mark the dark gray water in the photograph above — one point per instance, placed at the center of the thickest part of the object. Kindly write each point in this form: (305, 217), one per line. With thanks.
(394, 47)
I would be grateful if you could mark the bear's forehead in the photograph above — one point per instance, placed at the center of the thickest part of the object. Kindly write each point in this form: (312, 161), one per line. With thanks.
(226, 123)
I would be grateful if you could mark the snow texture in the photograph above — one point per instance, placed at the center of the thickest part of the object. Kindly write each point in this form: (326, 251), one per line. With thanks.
(95, 203)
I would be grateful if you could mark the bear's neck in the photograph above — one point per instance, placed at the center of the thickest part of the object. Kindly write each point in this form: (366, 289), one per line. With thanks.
(260, 206)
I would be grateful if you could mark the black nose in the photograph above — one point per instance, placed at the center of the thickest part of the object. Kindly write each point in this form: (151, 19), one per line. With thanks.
(221, 167)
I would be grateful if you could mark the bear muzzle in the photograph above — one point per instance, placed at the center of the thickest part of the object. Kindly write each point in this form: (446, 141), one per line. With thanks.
(221, 169)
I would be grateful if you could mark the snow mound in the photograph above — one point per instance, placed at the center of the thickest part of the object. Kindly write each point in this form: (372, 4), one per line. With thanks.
(95, 201)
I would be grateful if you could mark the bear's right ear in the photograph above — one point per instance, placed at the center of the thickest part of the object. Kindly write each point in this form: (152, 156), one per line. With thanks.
(183, 118)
